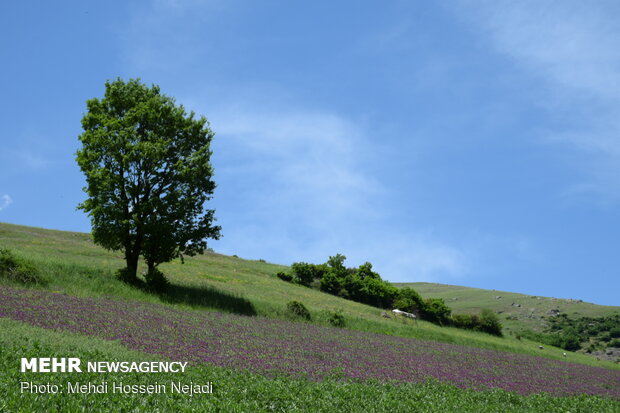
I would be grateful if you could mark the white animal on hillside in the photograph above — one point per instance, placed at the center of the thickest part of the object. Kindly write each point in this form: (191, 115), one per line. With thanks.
(404, 313)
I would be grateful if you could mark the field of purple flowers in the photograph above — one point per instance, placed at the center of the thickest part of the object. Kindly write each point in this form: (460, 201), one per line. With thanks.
(279, 347)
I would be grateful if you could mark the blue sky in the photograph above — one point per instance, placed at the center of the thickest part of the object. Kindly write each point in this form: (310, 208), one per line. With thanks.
(464, 142)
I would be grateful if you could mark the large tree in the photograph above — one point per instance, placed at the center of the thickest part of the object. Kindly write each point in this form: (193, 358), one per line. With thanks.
(148, 175)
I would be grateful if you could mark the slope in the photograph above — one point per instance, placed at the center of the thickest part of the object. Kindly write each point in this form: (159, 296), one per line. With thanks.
(77, 267)
(517, 311)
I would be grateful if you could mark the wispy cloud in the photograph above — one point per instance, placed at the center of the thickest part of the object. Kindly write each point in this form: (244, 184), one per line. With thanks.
(32, 160)
(572, 47)
(313, 161)
(15, 160)
(307, 195)
(293, 183)
(5, 201)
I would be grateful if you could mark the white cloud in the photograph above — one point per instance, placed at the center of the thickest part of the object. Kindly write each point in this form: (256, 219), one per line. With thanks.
(572, 47)
(32, 160)
(407, 258)
(5, 201)
(311, 160)
(293, 184)
(19, 158)
(571, 43)
(307, 195)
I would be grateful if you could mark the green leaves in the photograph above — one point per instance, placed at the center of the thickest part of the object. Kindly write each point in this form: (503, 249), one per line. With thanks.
(148, 174)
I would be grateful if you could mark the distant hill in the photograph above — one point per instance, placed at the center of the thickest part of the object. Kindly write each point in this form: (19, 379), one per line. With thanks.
(516, 311)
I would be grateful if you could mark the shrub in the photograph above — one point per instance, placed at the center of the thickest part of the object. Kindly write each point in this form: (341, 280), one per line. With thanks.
(18, 269)
(409, 300)
(336, 319)
(336, 262)
(284, 276)
(378, 293)
(156, 280)
(489, 322)
(330, 283)
(568, 339)
(462, 321)
(435, 310)
(570, 342)
(615, 342)
(298, 310)
(614, 332)
(305, 273)
(365, 271)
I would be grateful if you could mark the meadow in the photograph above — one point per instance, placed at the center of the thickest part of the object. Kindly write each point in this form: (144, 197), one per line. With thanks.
(215, 282)
(517, 311)
(268, 346)
(241, 391)
(228, 317)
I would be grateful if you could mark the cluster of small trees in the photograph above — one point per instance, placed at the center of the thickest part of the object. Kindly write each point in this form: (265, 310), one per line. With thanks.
(571, 333)
(364, 285)
(487, 322)
(359, 284)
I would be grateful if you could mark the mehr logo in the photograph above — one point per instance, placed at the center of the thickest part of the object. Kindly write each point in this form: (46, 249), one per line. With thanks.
(69, 365)
(51, 365)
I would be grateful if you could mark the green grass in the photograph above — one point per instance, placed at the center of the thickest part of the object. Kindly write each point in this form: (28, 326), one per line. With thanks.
(234, 390)
(528, 316)
(74, 265)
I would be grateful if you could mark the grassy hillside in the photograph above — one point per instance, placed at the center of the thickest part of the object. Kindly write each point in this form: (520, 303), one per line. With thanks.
(516, 311)
(267, 362)
(239, 391)
(75, 266)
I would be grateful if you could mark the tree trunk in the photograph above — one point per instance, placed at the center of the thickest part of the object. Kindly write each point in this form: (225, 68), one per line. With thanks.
(132, 257)
(132, 265)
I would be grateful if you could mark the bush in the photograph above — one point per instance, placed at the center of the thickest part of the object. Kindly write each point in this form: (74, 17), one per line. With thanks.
(298, 310)
(156, 280)
(330, 283)
(365, 271)
(409, 300)
(568, 339)
(489, 322)
(17, 269)
(284, 276)
(336, 319)
(614, 343)
(464, 321)
(435, 310)
(614, 332)
(305, 273)
(570, 343)
(377, 292)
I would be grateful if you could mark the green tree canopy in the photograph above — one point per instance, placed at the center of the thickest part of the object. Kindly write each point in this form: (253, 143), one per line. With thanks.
(148, 175)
